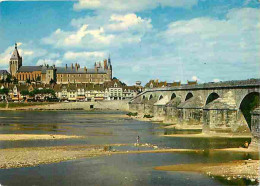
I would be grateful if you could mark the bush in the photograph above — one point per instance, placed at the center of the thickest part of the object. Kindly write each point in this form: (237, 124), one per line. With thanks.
(132, 114)
(148, 116)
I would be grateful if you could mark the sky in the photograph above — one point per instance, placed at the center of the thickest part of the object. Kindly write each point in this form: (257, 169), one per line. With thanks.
(169, 40)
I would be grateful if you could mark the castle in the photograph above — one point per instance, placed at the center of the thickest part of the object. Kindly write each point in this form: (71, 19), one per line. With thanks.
(61, 75)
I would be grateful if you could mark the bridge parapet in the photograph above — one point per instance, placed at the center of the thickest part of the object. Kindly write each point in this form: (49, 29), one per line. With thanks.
(212, 85)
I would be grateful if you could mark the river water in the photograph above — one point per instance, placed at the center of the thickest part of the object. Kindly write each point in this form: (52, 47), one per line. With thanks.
(121, 169)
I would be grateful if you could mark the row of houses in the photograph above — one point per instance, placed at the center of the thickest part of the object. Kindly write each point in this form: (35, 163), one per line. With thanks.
(159, 84)
(113, 90)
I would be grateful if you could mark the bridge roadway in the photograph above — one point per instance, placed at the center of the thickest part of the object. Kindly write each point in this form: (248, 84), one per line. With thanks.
(219, 107)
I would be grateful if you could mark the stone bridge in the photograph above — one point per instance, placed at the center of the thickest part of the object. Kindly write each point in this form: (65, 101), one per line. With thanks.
(216, 107)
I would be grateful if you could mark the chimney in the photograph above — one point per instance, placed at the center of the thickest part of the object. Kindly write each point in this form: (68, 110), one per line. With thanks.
(71, 65)
(76, 66)
(105, 64)
(85, 69)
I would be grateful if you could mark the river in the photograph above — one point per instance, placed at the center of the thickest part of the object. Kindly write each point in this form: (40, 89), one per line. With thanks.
(107, 127)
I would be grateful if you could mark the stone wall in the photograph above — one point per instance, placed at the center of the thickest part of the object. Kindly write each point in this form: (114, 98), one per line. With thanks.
(190, 116)
(219, 120)
(255, 129)
(111, 105)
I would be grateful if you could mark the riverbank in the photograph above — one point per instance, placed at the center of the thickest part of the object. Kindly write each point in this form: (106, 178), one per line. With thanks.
(210, 135)
(248, 169)
(34, 156)
(16, 137)
(100, 105)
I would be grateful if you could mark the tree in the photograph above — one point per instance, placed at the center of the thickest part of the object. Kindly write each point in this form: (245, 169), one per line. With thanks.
(25, 92)
(8, 79)
(15, 81)
(4, 91)
(52, 81)
(38, 78)
(28, 81)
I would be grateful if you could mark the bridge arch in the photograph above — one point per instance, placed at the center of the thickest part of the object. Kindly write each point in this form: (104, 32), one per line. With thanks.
(150, 97)
(213, 96)
(173, 96)
(143, 97)
(188, 96)
(160, 97)
(247, 104)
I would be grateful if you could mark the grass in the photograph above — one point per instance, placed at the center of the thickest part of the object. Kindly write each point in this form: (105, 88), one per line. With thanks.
(15, 105)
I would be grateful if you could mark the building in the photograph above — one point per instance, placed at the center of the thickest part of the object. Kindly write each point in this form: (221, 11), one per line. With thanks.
(3, 74)
(74, 74)
(61, 75)
(155, 84)
(15, 62)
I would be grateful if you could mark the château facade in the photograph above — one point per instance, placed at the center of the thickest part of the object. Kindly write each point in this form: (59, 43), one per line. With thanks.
(101, 73)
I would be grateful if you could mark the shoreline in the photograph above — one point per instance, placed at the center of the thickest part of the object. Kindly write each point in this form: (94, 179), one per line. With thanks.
(17, 137)
(245, 169)
(210, 135)
(34, 156)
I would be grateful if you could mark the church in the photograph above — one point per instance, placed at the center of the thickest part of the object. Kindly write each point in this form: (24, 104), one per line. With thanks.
(102, 72)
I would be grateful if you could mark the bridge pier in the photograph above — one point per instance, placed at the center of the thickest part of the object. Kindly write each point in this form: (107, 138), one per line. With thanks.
(222, 115)
(136, 105)
(255, 129)
(190, 111)
(219, 120)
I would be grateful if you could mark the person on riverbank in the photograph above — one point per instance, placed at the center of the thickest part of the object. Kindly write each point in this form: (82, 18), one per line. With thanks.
(138, 140)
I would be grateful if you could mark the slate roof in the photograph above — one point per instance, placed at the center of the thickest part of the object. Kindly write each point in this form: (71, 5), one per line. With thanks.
(4, 72)
(69, 70)
(15, 54)
(29, 68)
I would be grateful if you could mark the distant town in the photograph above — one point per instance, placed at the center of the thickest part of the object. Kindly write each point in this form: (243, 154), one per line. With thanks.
(69, 83)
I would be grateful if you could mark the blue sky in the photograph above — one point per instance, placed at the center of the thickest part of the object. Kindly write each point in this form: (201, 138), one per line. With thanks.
(170, 40)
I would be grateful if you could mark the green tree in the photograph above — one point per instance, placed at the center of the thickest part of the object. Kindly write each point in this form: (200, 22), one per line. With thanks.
(25, 92)
(15, 81)
(4, 91)
(38, 78)
(52, 81)
(8, 79)
(28, 81)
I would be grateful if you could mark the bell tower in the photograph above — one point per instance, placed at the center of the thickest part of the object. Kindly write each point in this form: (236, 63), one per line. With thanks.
(15, 61)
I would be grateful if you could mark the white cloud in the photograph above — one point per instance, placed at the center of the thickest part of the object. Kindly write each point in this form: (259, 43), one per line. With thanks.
(208, 48)
(113, 31)
(130, 5)
(28, 54)
(195, 78)
(205, 43)
(80, 38)
(83, 55)
(128, 21)
(49, 62)
(216, 80)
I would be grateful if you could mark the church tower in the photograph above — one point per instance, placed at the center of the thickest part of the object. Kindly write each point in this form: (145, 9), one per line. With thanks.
(109, 68)
(15, 61)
